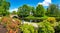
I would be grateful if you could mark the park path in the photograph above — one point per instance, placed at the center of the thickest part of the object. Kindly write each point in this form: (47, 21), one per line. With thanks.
(2, 30)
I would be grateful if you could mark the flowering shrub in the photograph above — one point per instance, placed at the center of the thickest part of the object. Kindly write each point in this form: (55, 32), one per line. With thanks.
(51, 19)
(18, 22)
(11, 31)
(12, 25)
(6, 20)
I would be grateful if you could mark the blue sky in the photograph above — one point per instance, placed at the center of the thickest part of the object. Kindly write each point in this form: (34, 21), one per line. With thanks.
(17, 3)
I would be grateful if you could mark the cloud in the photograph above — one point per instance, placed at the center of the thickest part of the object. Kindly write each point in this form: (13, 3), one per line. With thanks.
(15, 9)
(45, 2)
(59, 5)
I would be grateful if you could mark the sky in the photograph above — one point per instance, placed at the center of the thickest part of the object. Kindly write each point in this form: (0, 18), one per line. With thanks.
(15, 4)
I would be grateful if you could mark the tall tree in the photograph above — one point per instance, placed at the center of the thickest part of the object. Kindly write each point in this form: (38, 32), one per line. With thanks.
(53, 10)
(24, 10)
(14, 12)
(4, 7)
(40, 11)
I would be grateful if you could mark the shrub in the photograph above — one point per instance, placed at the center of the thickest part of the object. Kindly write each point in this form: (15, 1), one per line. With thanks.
(10, 23)
(0, 21)
(57, 19)
(6, 20)
(57, 28)
(11, 31)
(17, 21)
(27, 28)
(45, 27)
(51, 19)
(14, 25)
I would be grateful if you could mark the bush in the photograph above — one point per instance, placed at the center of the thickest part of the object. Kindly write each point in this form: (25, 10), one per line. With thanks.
(57, 28)
(0, 21)
(10, 23)
(18, 22)
(6, 20)
(45, 27)
(27, 28)
(57, 19)
(51, 19)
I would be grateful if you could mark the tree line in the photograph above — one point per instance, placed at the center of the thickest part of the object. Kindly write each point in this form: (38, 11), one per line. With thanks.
(51, 11)
(25, 10)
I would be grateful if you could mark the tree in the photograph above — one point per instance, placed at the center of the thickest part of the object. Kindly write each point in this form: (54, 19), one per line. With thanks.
(4, 7)
(14, 12)
(53, 10)
(40, 11)
(24, 10)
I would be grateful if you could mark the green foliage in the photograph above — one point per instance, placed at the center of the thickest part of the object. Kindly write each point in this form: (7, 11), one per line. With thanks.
(0, 21)
(57, 28)
(14, 12)
(57, 19)
(53, 10)
(27, 28)
(51, 19)
(30, 17)
(44, 17)
(40, 11)
(24, 10)
(4, 7)
(45, 27)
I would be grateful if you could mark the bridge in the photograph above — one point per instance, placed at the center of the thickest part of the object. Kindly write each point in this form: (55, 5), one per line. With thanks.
(12, 16)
